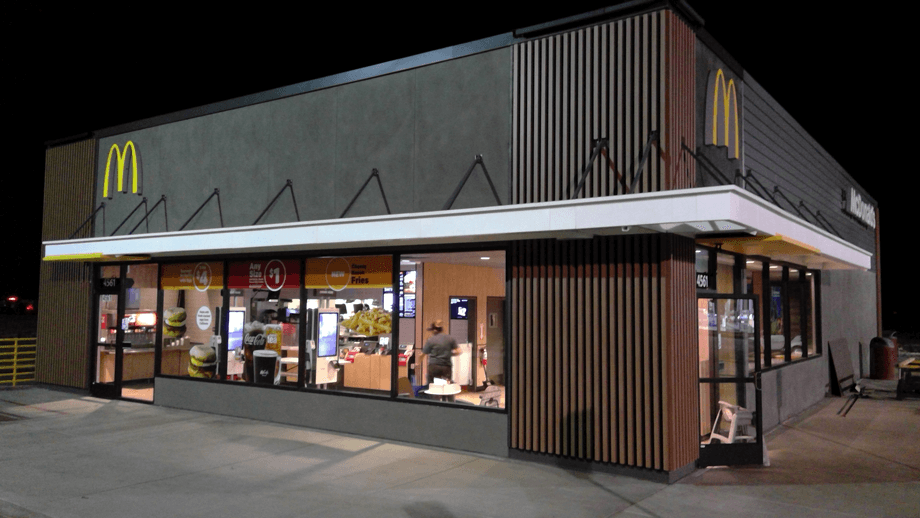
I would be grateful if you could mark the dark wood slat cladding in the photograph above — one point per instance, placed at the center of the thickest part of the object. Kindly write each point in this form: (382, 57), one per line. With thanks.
(603, 349)
(680, 361)
(66, 288)
(619, 80)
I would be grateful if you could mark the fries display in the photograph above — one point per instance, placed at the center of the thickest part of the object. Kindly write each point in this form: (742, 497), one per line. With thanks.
(370, 322)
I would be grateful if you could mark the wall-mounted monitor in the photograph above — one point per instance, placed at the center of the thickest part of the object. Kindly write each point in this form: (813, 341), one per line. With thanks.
(407, 294)
(327, 341)
(235, 329)
(459, 308)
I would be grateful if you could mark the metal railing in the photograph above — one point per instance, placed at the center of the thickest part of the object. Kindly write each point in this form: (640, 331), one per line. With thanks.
(17, 360)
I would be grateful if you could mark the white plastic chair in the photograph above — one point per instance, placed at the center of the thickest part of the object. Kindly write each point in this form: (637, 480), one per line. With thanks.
(738, 419)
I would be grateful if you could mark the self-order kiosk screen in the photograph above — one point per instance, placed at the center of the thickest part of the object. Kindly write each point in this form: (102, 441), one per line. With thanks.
(328, 334)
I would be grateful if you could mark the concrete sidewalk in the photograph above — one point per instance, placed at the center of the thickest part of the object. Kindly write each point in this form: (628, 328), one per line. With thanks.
(66, 454)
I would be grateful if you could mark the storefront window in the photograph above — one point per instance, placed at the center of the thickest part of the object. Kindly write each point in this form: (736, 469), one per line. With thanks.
(140, 326)
(810, 313)
(753, 285)
(776, 345)
(464, 294)
(797, 330)
(350, 328)
(191, 302)
(264, 321)
(725, 272)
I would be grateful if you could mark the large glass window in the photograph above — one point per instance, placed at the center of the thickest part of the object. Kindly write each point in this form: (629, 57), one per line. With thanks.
(777, 326)
(797, 320)
(459, 298)
(361, 324)
(349, 306)
(264, 321)
(191, 302)
(725, 273)
(809, 287)
(140, 328)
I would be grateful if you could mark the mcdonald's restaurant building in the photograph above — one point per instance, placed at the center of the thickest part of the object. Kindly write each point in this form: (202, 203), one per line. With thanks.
(627, 237)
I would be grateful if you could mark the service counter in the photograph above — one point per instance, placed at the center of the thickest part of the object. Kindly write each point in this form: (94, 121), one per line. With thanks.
(138, 363)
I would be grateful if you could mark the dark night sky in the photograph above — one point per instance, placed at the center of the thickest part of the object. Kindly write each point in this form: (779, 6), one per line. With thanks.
(836, 71)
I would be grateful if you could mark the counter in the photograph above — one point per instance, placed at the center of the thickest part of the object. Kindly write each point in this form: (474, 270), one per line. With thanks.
(138, 363)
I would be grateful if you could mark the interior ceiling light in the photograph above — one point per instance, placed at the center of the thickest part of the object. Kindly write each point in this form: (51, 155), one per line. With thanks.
(484, 258)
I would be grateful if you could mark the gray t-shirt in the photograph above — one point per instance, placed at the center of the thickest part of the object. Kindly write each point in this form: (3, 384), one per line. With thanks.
(440, 349)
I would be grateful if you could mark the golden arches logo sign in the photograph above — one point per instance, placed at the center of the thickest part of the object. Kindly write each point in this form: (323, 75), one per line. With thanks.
(121, 155)
(722, 127)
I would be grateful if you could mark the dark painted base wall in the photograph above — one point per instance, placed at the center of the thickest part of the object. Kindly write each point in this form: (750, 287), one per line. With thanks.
(456, 428)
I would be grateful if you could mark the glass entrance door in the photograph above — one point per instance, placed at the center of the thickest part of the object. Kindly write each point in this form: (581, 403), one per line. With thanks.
(730, 402)
(125, 332)
(107, 340)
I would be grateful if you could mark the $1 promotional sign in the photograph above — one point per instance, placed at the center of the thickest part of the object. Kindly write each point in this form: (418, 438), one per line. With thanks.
(271, 274)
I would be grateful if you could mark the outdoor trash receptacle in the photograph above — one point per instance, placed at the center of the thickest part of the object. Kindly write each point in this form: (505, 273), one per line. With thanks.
(883, 359)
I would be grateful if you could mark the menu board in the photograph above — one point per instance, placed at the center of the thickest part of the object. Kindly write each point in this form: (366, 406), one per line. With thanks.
(338, 273)
(271, 274)
(200, 276)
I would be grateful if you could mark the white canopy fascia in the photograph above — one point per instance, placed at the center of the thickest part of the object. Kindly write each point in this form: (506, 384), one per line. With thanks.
(699, 212)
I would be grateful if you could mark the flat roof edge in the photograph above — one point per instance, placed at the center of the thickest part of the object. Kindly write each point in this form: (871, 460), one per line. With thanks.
(615, 11)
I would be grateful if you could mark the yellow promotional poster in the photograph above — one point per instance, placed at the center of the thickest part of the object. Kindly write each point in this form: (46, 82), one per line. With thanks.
(186, 276)
(338, 273)
(136, 169)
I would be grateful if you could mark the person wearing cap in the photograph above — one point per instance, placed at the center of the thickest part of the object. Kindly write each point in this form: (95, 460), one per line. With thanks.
(440, 349)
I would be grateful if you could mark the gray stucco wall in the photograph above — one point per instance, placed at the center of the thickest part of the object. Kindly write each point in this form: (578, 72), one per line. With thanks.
(779, 152)
(420, 128)
(848, 310)
(456, 428)
(792, 389)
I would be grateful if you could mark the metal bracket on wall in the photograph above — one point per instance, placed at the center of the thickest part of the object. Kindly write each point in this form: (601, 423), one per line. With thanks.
(143, 202)
(165, 218)
(374, 174)
(758, 188)
(793, 205)
(296, 212)
(477, 160)
(219, 211)
(90, 218)
(708, 167)
(652, 137)
(599, 148)
(802, 204)
(818, 215)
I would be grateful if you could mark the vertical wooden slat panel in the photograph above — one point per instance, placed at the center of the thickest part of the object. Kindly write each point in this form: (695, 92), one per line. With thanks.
(542, 304)
(647, 334)
(604, 351)
(65, 288)
(656, 353)
(596, 326)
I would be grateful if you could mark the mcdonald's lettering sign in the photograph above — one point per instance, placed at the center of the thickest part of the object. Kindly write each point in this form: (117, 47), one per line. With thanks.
(859, 209)
(722, 114)
(136, 169)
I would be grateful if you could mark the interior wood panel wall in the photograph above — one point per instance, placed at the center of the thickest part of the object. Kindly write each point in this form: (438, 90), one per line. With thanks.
(443, 281)
(65, 292)
(619, 81)
(602, 344)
